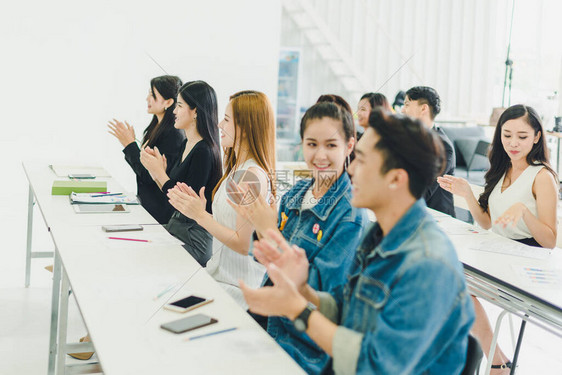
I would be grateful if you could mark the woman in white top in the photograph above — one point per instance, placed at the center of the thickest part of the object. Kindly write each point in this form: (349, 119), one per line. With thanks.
(248, 139)
(519, 200)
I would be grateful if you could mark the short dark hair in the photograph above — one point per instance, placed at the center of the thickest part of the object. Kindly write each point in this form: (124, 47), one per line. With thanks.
(405, 143)
(426, 95)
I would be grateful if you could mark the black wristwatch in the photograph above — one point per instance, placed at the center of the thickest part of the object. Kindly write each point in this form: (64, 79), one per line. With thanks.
(301, 321)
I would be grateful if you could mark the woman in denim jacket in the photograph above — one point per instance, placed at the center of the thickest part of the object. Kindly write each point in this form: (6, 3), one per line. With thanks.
(405, 308)
(316, 215)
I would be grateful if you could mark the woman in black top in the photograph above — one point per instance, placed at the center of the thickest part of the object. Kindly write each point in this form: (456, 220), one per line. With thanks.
(199, 164)
(160, 133)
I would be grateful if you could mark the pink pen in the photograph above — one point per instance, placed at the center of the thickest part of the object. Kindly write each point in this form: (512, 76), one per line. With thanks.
(128, 239)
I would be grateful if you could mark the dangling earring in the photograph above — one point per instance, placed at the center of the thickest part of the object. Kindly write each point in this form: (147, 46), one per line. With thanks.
(347, 161)
(165, 109)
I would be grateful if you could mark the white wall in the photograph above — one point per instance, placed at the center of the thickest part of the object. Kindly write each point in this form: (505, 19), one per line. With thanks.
(457, 46)
(69, 66)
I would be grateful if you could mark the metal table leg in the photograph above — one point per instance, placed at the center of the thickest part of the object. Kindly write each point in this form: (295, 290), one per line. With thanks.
(30, 200)
(518, 346)
(494, 342)
(57, 271)
(63, 324)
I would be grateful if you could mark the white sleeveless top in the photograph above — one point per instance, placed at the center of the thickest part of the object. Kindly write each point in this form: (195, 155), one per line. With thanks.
(226, 265)
(521, 190)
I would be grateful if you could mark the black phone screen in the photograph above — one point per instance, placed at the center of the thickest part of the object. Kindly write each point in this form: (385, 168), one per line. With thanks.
(188, 302)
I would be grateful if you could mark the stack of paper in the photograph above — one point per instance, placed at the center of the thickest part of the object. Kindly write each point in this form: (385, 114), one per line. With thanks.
(97, 198)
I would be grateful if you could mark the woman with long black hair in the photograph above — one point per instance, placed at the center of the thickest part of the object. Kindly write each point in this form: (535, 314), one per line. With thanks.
(198, 165)
(519, 201)
(160, 133)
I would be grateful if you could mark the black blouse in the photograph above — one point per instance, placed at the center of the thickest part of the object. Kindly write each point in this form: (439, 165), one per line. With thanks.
(150, 196)
(196, 170)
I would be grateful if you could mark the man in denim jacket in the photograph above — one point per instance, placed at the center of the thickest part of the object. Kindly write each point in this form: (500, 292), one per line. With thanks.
(405, 308)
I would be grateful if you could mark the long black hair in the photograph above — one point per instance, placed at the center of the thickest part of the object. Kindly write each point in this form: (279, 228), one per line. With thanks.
(201, 96)
(168, 87)
(500, 162)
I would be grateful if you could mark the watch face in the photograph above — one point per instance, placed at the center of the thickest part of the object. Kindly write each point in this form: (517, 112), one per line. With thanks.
(299, 325)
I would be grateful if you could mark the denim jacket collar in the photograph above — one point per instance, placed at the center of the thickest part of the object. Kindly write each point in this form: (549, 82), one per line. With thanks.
(327, 202)
(392, 243)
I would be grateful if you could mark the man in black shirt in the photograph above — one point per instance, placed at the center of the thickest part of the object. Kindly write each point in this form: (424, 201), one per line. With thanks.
(423, 103)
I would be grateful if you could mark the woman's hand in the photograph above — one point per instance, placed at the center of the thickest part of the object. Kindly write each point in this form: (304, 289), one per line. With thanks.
(282, 299)
(253, 207)
(122, 131)
(455, 185)
(512, 215)
(292, 260)
(184, 199)
(154, 162)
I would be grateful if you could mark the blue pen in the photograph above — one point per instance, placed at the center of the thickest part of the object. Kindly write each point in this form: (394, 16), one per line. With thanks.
(105, 195)
(211, 334)
(170, 287)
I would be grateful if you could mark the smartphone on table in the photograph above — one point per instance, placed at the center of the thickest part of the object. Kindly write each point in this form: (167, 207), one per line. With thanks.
(82, 176)
(188, 303)
(121, 228)
(188, 324)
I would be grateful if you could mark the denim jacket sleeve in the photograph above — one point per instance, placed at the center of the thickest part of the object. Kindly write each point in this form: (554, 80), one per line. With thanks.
(401, 339)
(329, 267)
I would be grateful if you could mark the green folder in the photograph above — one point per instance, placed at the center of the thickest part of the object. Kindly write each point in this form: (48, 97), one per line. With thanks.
(65, 187)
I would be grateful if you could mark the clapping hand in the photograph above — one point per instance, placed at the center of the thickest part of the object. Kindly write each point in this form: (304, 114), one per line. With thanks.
(292, 260)
(154, 162)
(184, 199)
(124, 132)
(253, 207)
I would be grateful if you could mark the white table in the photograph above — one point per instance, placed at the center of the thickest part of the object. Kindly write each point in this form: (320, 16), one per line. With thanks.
(115, 282)
(495, 277)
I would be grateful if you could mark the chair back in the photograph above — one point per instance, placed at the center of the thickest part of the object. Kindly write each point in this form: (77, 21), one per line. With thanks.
(473, 357)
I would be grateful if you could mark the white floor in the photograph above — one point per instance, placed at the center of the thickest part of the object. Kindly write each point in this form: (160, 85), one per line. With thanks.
(25, 312)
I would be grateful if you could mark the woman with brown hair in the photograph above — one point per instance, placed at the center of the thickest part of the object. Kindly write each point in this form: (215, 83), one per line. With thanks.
(248, 139)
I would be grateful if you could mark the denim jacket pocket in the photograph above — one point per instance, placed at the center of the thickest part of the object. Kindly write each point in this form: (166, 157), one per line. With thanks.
(371, 296)
(310, 245)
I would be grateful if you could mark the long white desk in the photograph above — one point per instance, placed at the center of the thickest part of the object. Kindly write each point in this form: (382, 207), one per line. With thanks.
(496, 277)
(114, 284)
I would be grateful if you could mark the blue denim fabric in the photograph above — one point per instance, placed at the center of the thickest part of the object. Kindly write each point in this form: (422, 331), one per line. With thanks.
(330, 256)
(407, 295)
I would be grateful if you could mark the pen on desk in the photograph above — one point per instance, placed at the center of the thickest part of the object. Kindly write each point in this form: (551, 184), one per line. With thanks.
(105, 195)
(128, 239)
(170, 287)
(210, 334)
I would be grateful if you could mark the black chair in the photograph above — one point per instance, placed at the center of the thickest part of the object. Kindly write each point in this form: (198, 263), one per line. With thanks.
(473, 357)
(481, 150)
